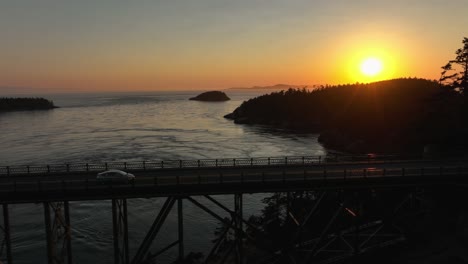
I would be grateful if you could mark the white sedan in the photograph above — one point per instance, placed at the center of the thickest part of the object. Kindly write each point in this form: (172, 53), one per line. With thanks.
(116, 176)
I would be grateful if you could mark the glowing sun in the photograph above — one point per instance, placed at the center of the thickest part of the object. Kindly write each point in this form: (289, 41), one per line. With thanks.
(371, 67)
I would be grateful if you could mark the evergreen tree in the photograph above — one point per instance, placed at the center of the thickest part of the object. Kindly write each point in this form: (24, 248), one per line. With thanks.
(455, 73)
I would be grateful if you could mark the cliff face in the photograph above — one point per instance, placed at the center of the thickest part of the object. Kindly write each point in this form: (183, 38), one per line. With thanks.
(213, 96)
(25, 104)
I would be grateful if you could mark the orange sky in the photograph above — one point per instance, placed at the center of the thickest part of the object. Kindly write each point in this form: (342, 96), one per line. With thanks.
(155, 45)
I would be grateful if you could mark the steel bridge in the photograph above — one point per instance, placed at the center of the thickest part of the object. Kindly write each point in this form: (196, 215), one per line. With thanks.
(179, 181)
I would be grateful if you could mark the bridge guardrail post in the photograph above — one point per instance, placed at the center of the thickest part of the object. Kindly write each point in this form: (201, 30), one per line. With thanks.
(8, 170)
(320, 159)
(180, 164)
(216, 162)
(144, 165)
(87, 167)
(105, 164)
(162, 164)
(303, 161)
(48, 168)
(234, 162)
(125, 165)
(68, 167)
(198, 163)
(286, 161)
(251, 162)
(268, 161)
(27, 167)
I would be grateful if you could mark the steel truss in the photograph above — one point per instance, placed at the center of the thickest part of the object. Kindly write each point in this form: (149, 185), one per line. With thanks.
(58, 232)
(5, 246)
(235, 249)
(329, 246)
(334, 240)
(120, 231)
(334, 244)
(143, 255)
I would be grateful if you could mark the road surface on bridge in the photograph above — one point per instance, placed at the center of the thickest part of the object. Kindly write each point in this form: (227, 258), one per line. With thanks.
(219, 180)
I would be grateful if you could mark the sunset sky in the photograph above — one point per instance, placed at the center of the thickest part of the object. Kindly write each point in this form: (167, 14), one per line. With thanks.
(120, 45)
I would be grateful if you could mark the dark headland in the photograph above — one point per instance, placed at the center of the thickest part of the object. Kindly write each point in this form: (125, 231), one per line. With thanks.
(387, 116)
(212, 96)
(25, 104)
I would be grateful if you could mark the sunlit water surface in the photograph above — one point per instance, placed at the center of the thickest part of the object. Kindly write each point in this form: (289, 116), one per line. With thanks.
(133, 127)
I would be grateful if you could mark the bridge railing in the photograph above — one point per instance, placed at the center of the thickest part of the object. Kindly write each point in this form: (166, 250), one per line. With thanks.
(201, 163)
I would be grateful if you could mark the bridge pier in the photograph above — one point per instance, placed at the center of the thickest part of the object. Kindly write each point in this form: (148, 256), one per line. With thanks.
(58, 232)
(6, 235)
(120, 231)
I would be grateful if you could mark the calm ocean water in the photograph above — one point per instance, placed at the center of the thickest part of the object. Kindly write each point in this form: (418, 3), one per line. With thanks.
(133, 127)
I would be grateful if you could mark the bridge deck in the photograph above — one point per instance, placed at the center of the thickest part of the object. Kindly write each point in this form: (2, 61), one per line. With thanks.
(20, 187)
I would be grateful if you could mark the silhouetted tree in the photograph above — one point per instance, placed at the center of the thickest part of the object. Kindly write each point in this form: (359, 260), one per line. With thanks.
(455, 73)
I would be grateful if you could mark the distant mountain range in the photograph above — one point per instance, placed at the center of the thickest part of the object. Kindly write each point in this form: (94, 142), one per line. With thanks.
(272, 87)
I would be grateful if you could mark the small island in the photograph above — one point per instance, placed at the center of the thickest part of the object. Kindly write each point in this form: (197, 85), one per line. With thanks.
(8, 104)
(212, 96)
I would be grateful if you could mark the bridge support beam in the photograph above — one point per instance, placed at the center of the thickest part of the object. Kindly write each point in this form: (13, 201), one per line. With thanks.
(180, 228)
(58, 232)
(239, 230)
(151, 235)
(120, 231)
(5, 229)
